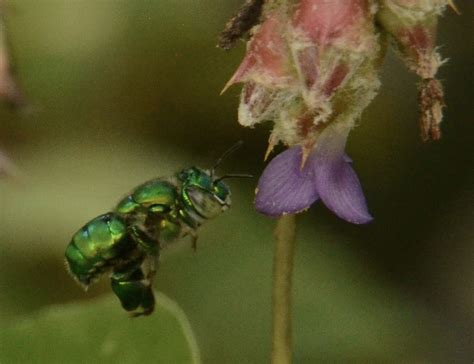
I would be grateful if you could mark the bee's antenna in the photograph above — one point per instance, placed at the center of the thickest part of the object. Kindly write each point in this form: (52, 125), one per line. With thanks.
(229, 151)
(233, 176)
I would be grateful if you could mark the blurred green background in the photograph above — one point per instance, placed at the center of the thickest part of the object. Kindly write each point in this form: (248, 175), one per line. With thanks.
(123, 91)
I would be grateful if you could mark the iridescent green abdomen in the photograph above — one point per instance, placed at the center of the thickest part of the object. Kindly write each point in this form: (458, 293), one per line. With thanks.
(106, 243)
(96, 246)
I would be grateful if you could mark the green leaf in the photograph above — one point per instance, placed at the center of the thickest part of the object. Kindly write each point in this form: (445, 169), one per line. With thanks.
(99, 331)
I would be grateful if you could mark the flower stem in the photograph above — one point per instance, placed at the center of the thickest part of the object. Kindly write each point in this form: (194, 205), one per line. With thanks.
(285, 232)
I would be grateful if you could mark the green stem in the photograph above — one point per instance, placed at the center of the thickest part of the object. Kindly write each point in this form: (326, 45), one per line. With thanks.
(285, 233)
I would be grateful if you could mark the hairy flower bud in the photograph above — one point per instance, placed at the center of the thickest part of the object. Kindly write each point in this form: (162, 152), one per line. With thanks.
(412, 24)
(303, 63)
(312, 67)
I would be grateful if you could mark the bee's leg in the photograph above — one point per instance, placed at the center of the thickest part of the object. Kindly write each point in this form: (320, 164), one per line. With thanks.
(150, 246)
(134, 289)
(152, 252)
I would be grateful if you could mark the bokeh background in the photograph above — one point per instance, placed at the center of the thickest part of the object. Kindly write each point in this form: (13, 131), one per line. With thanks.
(123, 91)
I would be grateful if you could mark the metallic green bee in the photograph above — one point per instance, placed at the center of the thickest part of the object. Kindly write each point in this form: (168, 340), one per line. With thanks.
(128, 240)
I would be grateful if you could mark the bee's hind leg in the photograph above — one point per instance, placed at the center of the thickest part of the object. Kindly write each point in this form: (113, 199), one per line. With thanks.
(133, 287)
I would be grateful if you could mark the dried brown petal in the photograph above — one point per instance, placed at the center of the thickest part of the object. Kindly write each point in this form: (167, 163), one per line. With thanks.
(431, 100)
(240, 24)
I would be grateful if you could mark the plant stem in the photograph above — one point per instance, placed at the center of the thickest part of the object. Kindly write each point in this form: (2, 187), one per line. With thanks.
(285, 233)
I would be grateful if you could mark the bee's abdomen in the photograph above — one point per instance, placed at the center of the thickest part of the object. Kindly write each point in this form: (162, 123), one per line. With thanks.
(96, 245)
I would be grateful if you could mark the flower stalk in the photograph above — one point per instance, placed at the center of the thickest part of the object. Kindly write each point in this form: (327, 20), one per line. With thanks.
(284, 251)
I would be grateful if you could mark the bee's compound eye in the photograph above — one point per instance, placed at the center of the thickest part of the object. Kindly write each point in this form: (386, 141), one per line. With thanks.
(221, 191)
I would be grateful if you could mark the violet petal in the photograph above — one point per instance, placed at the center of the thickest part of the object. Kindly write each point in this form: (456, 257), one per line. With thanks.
(336, 181)
(347, 158)
(285, 188)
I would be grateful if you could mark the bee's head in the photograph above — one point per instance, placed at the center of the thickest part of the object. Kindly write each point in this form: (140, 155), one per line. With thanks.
(205, 192)
(208, 195)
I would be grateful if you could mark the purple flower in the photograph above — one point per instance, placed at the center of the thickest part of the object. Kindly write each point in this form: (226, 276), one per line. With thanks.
(285, 187)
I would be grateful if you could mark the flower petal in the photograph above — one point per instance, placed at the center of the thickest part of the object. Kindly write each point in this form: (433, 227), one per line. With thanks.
(267, 58)
(285, 188)
(325, 20)
(336, 181)
(307, 63)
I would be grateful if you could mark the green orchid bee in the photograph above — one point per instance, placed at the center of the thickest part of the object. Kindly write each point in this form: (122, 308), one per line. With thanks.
(126, 242)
